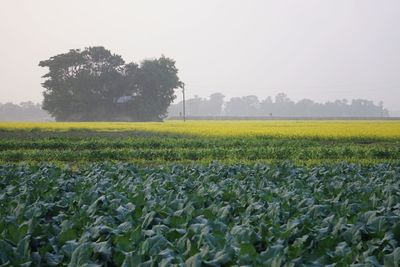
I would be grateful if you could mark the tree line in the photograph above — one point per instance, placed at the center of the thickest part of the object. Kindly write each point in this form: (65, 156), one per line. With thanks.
(25, 111)
(215, 105)
(280, 106)
(94, 84)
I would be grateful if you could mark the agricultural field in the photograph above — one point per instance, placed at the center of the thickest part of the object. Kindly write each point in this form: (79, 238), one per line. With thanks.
(203, 193)
(302, 142)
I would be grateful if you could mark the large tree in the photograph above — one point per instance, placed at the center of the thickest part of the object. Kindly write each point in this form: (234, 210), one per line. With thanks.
(153, 86)
(93, 84)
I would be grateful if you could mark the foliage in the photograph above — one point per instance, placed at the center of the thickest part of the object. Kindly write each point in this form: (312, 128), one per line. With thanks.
(122, 215)
(95, 85)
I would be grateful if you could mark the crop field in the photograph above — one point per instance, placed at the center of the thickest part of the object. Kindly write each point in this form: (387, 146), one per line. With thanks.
(203, 193)
(291, 129)
(301, 142)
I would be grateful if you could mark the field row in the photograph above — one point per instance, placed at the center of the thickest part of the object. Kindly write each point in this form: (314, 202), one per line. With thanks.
(90, 140)
(161, 149)
(267, 154)
(295, 128)
(120, 214)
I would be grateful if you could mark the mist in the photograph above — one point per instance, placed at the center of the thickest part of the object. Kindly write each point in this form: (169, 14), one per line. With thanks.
(320, 50)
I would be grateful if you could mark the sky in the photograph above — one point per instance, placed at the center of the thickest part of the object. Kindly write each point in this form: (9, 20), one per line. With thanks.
(317, 49)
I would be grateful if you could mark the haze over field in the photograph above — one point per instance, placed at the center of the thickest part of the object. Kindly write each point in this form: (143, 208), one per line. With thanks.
(322, 50)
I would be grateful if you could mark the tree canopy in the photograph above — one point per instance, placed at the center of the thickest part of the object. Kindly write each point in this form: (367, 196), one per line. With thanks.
(94, 84)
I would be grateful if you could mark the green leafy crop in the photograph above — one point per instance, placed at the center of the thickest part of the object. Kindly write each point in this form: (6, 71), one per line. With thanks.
(192, 215)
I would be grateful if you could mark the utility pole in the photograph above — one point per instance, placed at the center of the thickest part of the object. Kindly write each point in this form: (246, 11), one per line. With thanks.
(184, 106)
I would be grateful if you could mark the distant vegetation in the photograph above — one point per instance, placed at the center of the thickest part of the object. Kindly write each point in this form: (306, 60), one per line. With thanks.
(282, 105)
(25, 111)
(95, 85)
(215, 105)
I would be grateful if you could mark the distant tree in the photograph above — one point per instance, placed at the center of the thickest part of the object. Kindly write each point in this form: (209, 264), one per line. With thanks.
(25, 111)
(195, 106)
(214, 104)
(93, 84)
(305, 107)
(242, 106)
(198, 106)
(156, 81)
(267, 106)
(282, 106)
(282, 98)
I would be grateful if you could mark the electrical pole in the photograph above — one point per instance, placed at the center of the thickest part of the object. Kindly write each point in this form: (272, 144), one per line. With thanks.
(184, 107)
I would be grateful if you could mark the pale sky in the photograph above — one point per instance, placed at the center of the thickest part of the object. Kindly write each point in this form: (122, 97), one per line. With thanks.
(318, 49)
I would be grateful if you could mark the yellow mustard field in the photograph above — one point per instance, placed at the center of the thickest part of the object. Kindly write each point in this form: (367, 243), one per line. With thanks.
(334, 129)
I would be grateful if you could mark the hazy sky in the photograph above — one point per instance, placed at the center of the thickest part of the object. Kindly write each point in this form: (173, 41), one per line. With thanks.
(317, 49)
